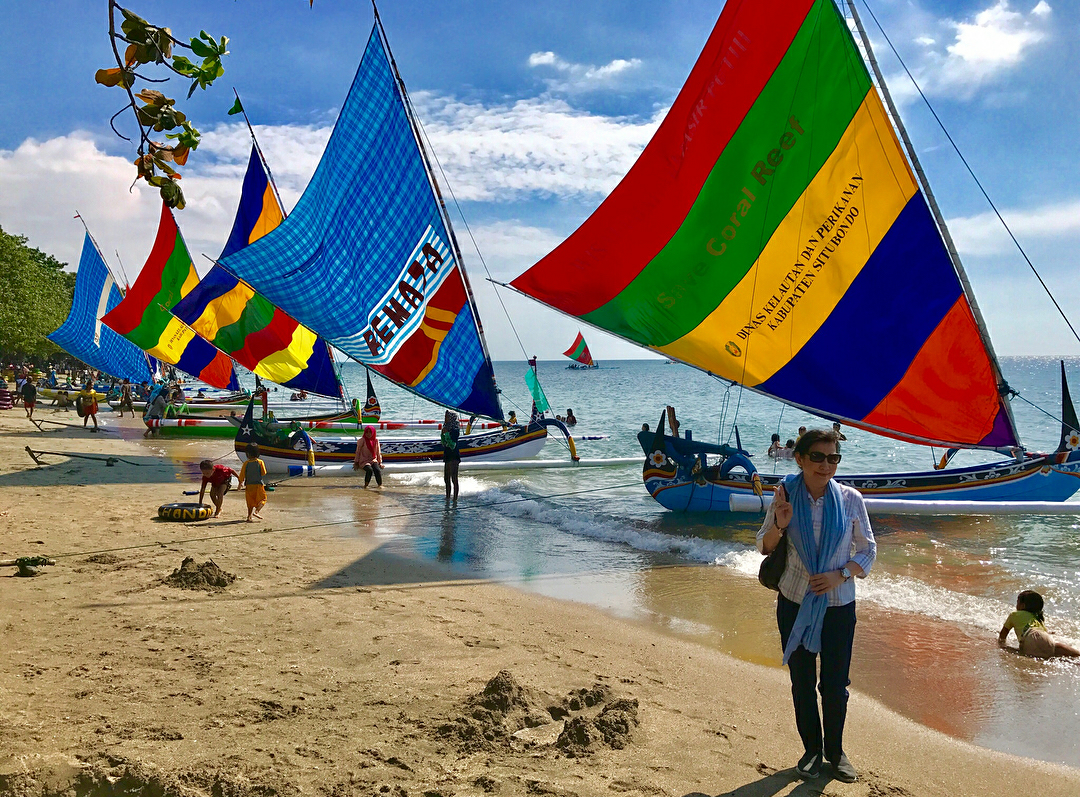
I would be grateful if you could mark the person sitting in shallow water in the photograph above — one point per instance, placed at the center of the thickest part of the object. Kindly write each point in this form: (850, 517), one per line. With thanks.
(1027, 622)
(774, 447)
(788, 451)
(570, 419)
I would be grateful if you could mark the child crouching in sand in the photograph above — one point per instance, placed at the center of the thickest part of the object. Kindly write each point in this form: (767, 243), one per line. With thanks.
(1027, 622)
(219, 477)
(252, 475)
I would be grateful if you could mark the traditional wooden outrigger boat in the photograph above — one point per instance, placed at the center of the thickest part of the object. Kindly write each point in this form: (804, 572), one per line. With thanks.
(580, 354)
(397, 298)
(774, 235)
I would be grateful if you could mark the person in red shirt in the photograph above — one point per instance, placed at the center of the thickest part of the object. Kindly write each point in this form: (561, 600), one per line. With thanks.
(219, 477)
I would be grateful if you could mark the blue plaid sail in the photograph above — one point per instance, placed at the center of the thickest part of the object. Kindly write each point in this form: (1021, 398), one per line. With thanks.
(83, 335)
(366, 261)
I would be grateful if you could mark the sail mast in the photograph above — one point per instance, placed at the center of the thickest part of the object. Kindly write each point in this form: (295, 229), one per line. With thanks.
(438, 192)
(950, 246)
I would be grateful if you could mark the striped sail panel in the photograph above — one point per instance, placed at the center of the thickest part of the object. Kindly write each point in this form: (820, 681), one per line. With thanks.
(365, 259)
(144, 317)
(238, 321)
(259, 210)
(579, 351)
(803, 261)
(83, 335)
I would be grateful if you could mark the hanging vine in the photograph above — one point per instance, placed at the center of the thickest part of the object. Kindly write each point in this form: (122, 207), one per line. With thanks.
(145, 44)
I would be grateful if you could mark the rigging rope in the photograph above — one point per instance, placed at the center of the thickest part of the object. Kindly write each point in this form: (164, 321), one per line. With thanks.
(970, 171)
(468, 229)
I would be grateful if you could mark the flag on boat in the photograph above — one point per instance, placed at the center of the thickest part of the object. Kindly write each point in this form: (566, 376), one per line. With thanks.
(366, 260)
(772, 233)
(540, 402)
(245, 325)
(83, 335)
(579, 351)
(372, 408)
(144, 317)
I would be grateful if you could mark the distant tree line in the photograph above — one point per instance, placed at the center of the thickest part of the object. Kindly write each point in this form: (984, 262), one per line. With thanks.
(35, 297)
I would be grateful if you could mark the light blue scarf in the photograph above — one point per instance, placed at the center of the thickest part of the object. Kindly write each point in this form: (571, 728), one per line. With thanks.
(816, 558)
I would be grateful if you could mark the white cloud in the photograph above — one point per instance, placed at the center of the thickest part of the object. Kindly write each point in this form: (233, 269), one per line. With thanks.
(977, 52)
(581, 77)
(539, 146)
(984, 235)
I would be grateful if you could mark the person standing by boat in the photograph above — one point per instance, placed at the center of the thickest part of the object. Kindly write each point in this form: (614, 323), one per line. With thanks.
(155, 411)
(451, 434)
(829, 541)
(126, 402)
(571, 419)
(87, 405)
(840, 436)
(369, 456)
(29, 397)
(775, 447)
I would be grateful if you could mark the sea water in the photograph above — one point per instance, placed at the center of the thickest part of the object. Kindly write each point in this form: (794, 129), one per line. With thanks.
(929, 613)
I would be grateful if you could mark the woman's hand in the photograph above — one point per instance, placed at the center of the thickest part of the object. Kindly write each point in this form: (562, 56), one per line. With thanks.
(356, 464)
(823, 582)
(782, 508)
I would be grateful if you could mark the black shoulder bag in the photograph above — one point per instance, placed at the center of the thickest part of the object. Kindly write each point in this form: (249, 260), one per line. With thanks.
(773, 566)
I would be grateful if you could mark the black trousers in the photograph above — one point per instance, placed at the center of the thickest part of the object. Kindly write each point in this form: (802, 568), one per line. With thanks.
(370, 468)
(837, 636)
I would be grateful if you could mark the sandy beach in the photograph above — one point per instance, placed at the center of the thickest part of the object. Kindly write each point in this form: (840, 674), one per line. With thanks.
(330, 666)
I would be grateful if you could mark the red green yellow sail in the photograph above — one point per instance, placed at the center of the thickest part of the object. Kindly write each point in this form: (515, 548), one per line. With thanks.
(772, 233)
(579, 351)
(143, 315)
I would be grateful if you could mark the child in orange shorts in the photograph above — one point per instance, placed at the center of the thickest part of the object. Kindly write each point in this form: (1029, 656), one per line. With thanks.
(252, 478)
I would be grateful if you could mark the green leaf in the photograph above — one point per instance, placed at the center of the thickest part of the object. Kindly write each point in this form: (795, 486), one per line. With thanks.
(201, 49)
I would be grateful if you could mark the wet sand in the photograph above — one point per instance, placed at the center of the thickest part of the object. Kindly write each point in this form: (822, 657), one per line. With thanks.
(332, 666)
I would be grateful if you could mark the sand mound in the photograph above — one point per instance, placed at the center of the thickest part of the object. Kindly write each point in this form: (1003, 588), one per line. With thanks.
(612, 727)
(492, 716)
(102, 559)
(206, 576)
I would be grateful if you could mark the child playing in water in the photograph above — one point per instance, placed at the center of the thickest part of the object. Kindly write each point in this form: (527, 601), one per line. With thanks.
(252, 475)
(1027, 622)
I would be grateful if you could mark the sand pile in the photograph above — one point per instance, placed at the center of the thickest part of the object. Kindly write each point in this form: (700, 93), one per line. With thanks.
(612, 727)
(492, 716)
(506, 713)
(206, 576)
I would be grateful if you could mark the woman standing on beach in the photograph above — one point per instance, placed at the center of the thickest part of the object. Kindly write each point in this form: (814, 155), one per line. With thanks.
(829, 541)
(451, 433)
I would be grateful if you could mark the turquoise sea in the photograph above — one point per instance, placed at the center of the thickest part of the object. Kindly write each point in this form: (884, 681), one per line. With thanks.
(928, 614)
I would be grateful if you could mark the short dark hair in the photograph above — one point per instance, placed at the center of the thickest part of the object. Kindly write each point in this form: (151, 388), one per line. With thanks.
(815, 436)
(206, 463)
(252, 450)
(1032, 602)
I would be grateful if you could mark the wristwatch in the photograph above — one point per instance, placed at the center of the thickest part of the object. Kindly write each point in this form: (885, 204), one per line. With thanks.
(845, 573)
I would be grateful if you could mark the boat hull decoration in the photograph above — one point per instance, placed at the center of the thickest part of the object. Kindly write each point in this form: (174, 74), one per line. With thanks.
(679, 481)
(295, 452)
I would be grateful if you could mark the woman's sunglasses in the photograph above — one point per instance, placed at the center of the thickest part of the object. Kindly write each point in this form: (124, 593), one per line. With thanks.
(821, 456)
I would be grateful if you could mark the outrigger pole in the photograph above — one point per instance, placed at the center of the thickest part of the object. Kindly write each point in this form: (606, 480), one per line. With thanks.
(1003, 387)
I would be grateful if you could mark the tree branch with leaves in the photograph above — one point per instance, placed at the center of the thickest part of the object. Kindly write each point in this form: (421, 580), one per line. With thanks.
(148, 44)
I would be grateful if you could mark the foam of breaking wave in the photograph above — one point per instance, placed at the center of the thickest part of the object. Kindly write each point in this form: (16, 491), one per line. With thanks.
(600, 527)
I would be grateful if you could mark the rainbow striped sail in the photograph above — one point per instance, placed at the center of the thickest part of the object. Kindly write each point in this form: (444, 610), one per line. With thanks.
(579, 351)
(143, 315)
(243, 324)
(367, 261)
(772, 233)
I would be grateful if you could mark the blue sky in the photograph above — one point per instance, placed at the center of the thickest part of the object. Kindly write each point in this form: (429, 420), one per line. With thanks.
(536, 110)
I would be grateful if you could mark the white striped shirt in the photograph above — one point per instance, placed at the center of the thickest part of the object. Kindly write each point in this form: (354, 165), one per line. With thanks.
(857, 545)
